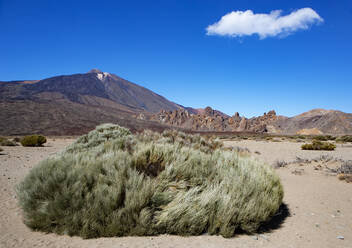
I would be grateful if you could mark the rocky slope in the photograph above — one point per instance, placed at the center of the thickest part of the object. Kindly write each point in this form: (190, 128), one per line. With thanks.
(317, 121)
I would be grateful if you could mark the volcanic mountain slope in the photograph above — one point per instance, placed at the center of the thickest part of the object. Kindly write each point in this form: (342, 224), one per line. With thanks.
(75, 104)
(317, 120)
(92, 88)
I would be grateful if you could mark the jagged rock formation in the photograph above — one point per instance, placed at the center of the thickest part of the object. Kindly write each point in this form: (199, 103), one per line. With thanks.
(212, 120)
(317, 121)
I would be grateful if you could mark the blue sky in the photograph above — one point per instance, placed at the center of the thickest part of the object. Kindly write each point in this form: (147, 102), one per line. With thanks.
(163, 45)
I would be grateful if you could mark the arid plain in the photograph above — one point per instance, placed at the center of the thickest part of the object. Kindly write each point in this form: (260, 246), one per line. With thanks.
(316, 212)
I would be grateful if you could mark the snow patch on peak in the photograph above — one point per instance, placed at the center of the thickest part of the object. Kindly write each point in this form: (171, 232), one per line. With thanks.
(102, 75)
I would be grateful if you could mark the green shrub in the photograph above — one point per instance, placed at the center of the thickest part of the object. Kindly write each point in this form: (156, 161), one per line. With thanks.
(319, 145)
(1, 149)
(33, 140)
(299, 137)
(345, 138)
(113, 183)
(324, 137)
(6, 142)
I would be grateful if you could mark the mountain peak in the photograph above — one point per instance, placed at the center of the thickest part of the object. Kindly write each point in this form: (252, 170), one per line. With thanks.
(95, 71)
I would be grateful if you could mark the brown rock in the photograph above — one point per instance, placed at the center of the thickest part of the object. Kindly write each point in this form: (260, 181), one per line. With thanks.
(243, 125)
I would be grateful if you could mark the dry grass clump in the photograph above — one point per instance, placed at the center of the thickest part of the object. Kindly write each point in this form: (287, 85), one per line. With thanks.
(280, 164)
(345, 171)
(33, 140)
(6, 142)
(324, 137)
(113, 183)
(319, 145)
(345, 138)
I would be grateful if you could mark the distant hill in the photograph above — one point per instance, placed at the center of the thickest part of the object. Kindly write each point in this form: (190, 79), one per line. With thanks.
(75, 104)
(325, 121)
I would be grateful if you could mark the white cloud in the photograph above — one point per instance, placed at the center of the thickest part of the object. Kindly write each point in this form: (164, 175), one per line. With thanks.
(241, 23)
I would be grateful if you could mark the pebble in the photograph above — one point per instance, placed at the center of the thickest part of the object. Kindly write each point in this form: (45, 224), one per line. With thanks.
(264, 237)
(255, 237)
(340, 237)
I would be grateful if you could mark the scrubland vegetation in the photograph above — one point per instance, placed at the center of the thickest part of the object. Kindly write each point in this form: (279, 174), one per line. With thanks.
(319, 145)
(345, 171)
(324, 137)
(345, 138)
(113, 183)
(33, 140)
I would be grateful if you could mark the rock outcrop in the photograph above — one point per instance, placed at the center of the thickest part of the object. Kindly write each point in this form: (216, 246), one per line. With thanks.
(213, 120)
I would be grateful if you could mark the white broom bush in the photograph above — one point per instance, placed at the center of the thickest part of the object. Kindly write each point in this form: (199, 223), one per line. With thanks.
(113, 183)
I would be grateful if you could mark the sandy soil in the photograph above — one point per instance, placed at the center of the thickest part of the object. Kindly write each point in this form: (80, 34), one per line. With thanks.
(319, 207)
(287, 151)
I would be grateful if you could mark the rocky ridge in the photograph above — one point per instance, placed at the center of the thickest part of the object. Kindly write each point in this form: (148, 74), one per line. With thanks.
(213, 120)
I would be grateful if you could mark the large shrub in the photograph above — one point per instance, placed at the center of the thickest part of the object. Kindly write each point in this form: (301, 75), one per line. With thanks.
(113, 183)
(33, 140)
(319, 145)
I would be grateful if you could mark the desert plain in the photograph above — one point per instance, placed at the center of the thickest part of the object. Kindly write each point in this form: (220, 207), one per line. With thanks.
(317, 210)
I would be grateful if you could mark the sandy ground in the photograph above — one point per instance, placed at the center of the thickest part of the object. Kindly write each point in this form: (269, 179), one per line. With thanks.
(288, 151)
(319, 207)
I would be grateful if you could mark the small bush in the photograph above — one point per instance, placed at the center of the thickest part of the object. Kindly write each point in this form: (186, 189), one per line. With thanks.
(16, 139)
(345, 138)
(280, 164)
(6, 142)
(33, 140)
(319, 145)
(324, 137)
(113, 183)
(1, 149)
(345, 171)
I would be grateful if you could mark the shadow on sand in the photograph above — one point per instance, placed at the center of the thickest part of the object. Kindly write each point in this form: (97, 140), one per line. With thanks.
(277, 220)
